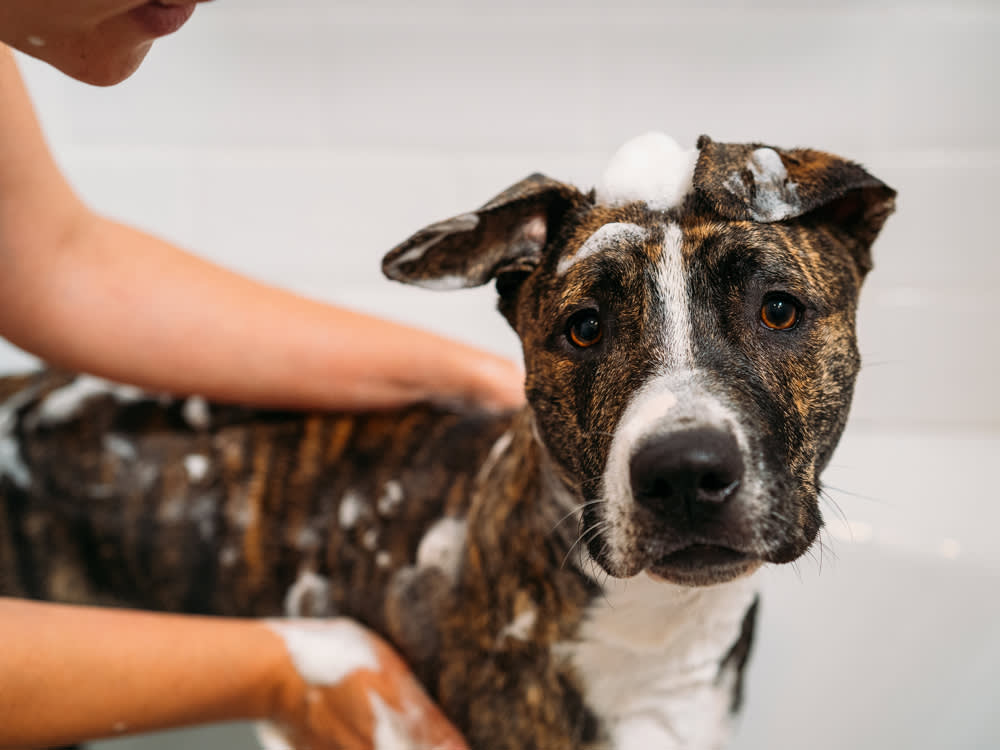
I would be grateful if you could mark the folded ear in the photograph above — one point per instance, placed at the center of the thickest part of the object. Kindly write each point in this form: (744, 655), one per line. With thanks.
(754, 182)
(507, 234)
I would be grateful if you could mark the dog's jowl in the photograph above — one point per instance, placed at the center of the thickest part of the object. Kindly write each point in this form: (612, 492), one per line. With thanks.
(578, 574)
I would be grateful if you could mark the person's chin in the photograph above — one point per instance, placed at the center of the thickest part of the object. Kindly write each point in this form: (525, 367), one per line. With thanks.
(104, 69)
(95, 62)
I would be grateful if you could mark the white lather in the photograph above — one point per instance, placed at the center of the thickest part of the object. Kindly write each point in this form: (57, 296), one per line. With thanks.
(650, 168)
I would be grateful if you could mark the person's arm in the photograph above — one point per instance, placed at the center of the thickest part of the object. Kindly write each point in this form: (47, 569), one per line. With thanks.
(85, 293)
(71, 674)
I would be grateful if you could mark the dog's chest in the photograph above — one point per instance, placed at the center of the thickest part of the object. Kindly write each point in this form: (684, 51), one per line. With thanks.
(651, 658)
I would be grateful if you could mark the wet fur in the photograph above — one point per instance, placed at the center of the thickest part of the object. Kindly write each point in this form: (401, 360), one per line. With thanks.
(91, 530)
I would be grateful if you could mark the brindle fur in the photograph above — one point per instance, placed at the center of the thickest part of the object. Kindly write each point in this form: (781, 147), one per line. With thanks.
(112, 515)
(135, 529)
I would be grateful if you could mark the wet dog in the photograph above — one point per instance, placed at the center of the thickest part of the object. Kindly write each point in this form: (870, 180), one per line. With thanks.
(578, 574)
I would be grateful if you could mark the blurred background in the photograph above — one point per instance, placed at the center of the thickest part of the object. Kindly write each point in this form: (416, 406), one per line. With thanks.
(298, 141)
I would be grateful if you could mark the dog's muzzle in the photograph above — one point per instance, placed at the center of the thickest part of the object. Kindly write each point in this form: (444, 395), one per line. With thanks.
(688, 481)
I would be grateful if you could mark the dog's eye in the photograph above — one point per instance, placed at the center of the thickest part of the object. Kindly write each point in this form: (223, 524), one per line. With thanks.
(780, 312)
(584, 329)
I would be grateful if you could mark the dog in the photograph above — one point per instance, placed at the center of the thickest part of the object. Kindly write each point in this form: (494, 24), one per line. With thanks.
(577, 574)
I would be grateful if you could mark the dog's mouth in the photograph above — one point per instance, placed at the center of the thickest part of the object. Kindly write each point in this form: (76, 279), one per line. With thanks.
(702, 564)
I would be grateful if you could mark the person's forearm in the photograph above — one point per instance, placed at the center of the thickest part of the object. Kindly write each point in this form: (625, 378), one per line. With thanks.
(88, 294)
(130, 307)
(73, 673)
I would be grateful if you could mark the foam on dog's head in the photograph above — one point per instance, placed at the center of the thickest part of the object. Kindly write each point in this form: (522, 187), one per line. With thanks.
(650, 168)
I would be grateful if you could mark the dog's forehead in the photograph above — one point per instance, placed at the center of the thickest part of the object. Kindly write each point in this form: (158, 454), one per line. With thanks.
(603, 229)
(635, 234)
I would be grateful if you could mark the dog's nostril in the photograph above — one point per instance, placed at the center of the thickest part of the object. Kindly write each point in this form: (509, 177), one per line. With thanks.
(716, 485)
(685, 468)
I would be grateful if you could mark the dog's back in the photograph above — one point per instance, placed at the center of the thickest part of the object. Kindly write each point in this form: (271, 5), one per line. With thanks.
(115, 496)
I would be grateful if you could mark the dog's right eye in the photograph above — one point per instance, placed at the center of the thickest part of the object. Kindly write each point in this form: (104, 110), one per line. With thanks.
(780, 312)
(584, 329)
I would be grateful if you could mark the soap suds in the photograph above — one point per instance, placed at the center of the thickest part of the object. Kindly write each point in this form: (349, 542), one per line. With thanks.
(651, 169)
(324, 653)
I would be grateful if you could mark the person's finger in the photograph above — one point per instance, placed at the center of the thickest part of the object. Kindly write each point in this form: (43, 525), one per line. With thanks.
(422, 721)
(498, 383)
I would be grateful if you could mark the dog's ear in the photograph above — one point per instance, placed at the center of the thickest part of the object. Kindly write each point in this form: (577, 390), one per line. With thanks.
(754, 182)
(505, 236)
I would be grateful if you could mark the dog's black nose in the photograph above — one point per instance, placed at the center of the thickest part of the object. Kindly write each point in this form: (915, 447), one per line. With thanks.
(686, 470)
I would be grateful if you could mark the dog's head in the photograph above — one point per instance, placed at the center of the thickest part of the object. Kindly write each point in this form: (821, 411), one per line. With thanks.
(688, 335)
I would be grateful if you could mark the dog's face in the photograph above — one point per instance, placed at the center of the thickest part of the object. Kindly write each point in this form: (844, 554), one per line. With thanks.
(688, 335)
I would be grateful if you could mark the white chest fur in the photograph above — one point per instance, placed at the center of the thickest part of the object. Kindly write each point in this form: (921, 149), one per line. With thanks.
(648, 657)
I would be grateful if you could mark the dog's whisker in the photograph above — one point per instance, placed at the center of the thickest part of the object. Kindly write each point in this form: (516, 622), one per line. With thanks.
(827, 547)
(798, 572)
(858, 495)
(586, 536)
(828, 498)
(578, 509)
(868, 365)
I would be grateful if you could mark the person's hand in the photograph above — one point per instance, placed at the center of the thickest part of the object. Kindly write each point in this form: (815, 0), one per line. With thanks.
(493, 382)
(349, 690)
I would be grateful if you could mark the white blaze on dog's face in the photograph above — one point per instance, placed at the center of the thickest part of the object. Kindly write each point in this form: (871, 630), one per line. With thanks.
(688, 331)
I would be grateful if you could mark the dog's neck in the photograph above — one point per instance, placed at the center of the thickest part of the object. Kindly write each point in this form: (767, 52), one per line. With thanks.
(660, 663)
(519, 475)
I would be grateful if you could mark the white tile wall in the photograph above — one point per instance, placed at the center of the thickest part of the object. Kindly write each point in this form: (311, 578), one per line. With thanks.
(298, 141)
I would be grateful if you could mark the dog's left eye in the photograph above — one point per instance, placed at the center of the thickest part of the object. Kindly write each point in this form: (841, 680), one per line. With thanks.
(780, 312)
(584, 329)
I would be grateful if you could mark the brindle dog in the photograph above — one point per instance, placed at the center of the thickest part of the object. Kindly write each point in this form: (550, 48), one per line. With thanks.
(574, 575)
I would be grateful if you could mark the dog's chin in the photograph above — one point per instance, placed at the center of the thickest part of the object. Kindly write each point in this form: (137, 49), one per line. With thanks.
(703, 565)
(696, 564)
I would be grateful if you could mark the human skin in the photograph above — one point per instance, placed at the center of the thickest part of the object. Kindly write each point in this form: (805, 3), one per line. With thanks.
(85, 672)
